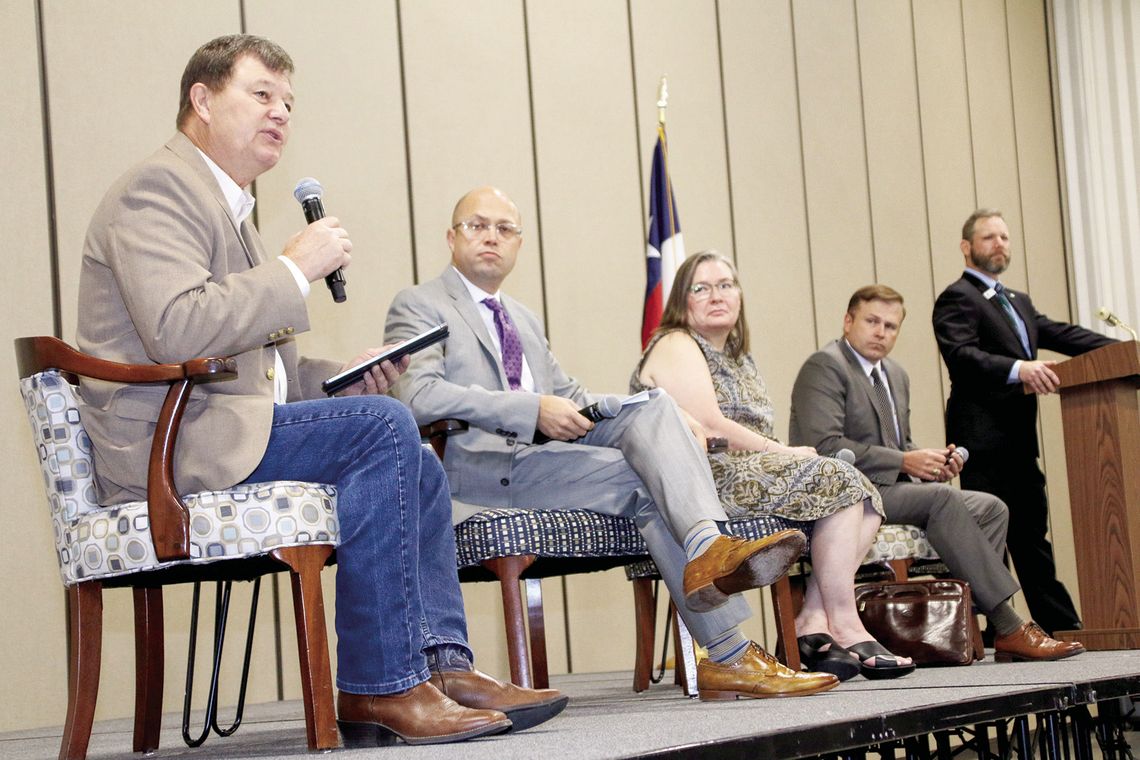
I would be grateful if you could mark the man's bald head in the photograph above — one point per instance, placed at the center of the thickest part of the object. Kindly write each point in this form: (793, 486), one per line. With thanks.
(472, 198)
(485, 236)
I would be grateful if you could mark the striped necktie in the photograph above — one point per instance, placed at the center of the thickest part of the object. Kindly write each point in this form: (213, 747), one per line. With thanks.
(883, 407)
(1011, 315)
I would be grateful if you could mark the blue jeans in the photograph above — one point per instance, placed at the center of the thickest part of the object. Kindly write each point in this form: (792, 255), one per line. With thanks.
(397, 592)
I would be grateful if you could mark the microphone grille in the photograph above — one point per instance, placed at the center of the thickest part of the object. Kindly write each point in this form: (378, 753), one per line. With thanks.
(963, 452)
(306, 188)
(609, 406)
(845, 455)
(1103, 313)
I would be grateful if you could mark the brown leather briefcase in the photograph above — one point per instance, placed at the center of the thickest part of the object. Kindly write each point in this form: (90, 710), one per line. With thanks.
(931, 621)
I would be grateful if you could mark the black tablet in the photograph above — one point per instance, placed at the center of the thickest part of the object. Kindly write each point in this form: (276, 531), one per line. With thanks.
(349, 376)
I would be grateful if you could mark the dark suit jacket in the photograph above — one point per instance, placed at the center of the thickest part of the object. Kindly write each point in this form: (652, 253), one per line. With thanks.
(979, 346)
(833, 408)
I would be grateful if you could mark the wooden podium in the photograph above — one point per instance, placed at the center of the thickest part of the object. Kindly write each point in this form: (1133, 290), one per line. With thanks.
(1102, 449)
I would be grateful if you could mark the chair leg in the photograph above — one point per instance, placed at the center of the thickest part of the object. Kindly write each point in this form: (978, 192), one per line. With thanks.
(783, 607)
(85, 604)
(508, 570)
(305, 564)
(645, 619)
(149, 664)
(536, 624)
(900, 568)
(686, 656)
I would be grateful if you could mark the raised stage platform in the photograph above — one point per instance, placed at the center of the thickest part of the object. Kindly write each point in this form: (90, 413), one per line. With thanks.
(605, 719)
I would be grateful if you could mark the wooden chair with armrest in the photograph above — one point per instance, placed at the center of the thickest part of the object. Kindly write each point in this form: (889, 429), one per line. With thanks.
(166, 539)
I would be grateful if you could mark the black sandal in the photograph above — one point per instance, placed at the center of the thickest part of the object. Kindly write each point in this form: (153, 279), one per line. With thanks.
(867, 650)
(819, 652)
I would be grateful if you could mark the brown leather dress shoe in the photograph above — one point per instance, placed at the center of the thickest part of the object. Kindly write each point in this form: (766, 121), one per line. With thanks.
(732, 565)
(420, 715)
(1029, 643)
(757, 675)
(525, 707)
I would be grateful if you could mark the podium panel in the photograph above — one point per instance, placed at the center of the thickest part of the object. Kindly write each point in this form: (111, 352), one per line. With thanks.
(1101, 417)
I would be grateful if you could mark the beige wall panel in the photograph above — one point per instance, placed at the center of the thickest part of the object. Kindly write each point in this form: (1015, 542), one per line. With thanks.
(141, 48)
(33, 593)
(348, 132)
(678, 38)
(991, 121)
(108, 117)
(768, 191)
(1043, 243)
(587, 156)
(469, 124)
(835, 159)
(898, 199)
(947, 149)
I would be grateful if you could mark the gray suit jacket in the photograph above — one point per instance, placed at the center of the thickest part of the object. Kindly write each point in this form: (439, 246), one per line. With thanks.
(833, 409)
(462, 377)
(167, 276)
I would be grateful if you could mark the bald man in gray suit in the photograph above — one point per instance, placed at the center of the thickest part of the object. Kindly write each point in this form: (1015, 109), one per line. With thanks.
(497, 372)
(850, 395)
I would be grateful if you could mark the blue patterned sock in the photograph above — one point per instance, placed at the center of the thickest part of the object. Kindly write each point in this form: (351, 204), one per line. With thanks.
(700, 538)
(728, 647)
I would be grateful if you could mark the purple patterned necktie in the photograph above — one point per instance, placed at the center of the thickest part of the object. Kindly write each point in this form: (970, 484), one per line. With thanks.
(508, 341)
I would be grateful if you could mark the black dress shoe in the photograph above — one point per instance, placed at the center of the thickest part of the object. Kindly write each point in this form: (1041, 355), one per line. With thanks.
(820, 653)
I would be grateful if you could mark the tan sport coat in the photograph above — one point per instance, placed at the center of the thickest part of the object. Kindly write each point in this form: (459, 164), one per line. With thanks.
(168, 276)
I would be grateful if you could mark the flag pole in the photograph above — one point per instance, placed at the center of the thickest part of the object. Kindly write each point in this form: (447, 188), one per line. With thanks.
(662, 104)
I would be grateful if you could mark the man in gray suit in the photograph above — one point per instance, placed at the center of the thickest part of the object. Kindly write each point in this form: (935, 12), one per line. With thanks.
(851, 395)
(497, 372)
(174, 269)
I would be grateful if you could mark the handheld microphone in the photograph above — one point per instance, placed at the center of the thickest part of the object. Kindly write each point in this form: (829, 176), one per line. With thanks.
(845, 455)
(308, 193)
(1104, 315)
(602, 409)
(963, 452)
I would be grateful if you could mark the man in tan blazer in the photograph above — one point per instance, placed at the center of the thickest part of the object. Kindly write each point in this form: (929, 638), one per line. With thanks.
(174, 269)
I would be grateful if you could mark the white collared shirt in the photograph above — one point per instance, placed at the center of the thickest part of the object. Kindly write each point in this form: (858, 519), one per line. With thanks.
(241, 205)
(867, 366)
(526, 380)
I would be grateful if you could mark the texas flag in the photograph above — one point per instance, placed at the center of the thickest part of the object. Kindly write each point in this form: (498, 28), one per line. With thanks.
(666, 248)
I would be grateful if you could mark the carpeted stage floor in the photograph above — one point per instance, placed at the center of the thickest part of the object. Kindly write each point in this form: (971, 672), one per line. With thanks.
(605, 719)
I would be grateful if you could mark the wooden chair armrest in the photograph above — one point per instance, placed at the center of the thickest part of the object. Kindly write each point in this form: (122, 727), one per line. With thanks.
(168, 515)
(436, 433)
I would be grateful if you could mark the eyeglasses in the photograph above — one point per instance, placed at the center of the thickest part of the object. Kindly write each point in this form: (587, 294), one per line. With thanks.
(475, 229)
(702, 291)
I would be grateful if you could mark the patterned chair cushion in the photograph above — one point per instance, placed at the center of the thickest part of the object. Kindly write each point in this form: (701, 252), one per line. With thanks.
(899, 542)
(513, 532)
(102, 542)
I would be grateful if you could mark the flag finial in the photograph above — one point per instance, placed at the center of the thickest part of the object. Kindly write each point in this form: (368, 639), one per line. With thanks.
(662, 100)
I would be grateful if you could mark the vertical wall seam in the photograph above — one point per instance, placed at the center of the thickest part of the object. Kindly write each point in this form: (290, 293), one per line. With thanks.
(969, 105)
(407, 144)
(637, 122)
(1016, 144)
(534, 163)
(803, 169)
(724, 123)
(866, 146)
(922, 153)
(49, 177)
